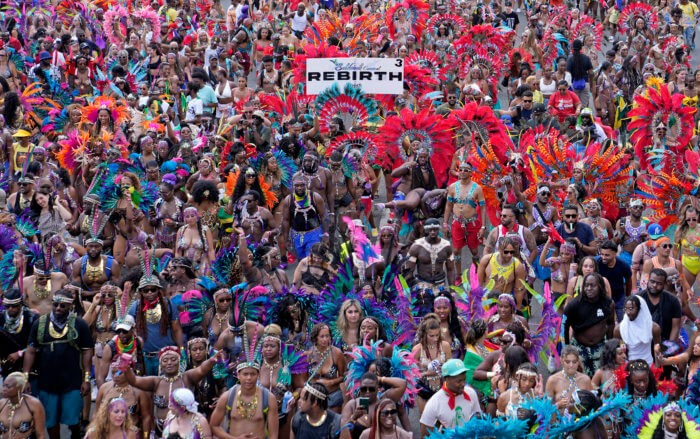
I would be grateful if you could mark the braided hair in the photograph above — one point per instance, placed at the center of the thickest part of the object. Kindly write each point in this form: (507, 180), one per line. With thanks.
(417, 179)
(141, 316)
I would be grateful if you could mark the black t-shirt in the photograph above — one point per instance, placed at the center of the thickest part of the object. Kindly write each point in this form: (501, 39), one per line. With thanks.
(11, 342)
(663, 313)
(511, 20)
(582, 231)
(587, 65)
(616, 277)
(582, 314)
(58, 351)
(303, 430)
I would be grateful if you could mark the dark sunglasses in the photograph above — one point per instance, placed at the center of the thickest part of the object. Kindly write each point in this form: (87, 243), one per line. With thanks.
(367, 389)
(150, 289)
(225, 299)
(570, 216)
(546, 194)
(389, 412)
(667, 246)
(527, 101)
(61, 305)
(508, 252)
(15, 305)
(122, 331)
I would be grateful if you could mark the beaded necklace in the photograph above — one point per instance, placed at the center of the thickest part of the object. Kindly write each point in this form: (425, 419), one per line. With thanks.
(246, 410)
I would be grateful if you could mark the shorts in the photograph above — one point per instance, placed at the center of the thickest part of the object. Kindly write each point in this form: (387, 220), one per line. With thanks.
(345, 201)
(691, 263)
(590, 356)
(66, 406)
(335, 399)
(466, 234)
(304, 240)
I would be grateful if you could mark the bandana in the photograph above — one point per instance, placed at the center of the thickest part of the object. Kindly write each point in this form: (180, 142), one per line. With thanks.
(451, 402)
(150, 305)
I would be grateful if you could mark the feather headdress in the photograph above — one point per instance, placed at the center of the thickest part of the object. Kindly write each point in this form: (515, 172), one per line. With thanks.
(570, 423)
(653, 111)
(147, 257)
(312, 51)
(74, 150)
(587, 26)
(351, 105)
(484, 427)
(635, 11)
(485, 38)
(664, 194)
(362, 141)
(427, 59)
(118, 110)
(476, 121)
(416, 13)
(431, 129)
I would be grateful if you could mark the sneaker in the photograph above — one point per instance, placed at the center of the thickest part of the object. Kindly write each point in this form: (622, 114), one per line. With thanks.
(517, 11)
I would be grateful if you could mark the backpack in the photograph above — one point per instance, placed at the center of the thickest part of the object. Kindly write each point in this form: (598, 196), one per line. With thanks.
(229, 405)
(72, 338)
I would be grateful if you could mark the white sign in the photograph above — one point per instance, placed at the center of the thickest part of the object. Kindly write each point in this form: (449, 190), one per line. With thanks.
(374, 75)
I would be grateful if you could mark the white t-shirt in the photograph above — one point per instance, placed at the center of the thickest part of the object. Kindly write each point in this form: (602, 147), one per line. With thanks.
(437, 409)
(299, 23)
(195, 108)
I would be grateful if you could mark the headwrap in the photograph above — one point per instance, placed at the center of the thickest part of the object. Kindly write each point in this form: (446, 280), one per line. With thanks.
(507, 298)
(169, 349)
(184, 398)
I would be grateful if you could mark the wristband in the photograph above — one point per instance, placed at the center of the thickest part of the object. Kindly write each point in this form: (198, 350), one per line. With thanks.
(20, 353)
(87, 377)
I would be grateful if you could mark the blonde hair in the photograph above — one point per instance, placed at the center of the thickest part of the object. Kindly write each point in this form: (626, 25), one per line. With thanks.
(341, 323)
(99, 426)
(430, 322)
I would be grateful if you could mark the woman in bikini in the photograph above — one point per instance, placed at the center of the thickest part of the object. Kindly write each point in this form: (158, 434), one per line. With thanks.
(689, 360)
(22, 416)
(528, 384)
(195, 242)
(431, 352)
(112, 421)
(100, 315)
(138, 403)
(687, 243)
(314, 273)
(560, 263)
(348, 324)
(326, 365)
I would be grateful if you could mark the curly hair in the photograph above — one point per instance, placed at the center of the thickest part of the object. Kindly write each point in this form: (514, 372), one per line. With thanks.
(477, 329)
(99, 426)
(640, 366)
(608, 357)
(205, 190)
(430, 322)
(284, 318)
(316, 331)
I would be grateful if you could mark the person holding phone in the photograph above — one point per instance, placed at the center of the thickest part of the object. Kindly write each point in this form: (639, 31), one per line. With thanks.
(360, 411)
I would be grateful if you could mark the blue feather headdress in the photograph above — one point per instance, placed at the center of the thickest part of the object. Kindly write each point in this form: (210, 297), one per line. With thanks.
(486, 427)
(571, 423)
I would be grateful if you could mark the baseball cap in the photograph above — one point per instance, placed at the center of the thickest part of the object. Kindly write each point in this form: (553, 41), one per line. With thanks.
(539, 108)
(655, 231)
(22, 133)
(259, 113)
(44, 55)
(453, 367)
(126, 324)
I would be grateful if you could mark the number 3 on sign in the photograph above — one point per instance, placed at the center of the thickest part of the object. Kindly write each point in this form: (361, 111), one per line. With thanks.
(399, 62)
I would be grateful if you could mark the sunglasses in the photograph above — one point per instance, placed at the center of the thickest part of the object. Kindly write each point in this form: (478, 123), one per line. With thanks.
(546, 194)
(16, 305)
(367, 389)
(61, 305)
(389, 412)
(225, 299)
(692, 219)
(508, 252)
(527, 101)
(667, 246)
(150, 290)
(122, 331)
(570, 216)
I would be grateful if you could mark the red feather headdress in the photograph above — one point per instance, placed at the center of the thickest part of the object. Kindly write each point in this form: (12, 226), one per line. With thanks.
(482, 36)
(478, 122)
(634, 11)
(427, 59)
(313, 51)
(588, 26)
(431, 129)
(416, 14)
(360, 140)
(664, 194)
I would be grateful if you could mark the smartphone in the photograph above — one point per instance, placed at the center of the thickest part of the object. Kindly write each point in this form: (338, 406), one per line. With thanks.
(364, 403)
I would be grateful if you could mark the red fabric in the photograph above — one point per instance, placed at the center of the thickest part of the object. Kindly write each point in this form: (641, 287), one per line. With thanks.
(466, 235)
(451, 403)
(562, 106)
(151, 305)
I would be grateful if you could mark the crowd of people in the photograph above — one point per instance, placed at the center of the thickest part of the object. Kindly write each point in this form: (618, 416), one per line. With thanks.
(192, 246)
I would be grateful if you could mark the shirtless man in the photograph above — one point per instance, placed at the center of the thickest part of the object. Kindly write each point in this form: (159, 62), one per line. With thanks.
(318, 179)
(171, 379)
(631, 230)
(506, 271)
(463, 197)
(257, 221)
(562, 384)
(433, 259)
(343, 187)
(94, 269)
(537, 216)
(38, 289)
(413, 174)
(262, 423)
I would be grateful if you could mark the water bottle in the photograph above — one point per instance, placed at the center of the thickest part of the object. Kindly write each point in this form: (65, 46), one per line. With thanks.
(285, 400)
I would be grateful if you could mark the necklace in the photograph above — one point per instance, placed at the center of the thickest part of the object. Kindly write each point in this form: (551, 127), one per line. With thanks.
(57, 335)
(42, 292)
(153, 315)
(246, 410)
(319, 422)
(13, 409)
(15, 325)
(222, 320)
(170, 384)
(321, 363)
(272, 367)
(121, 389)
